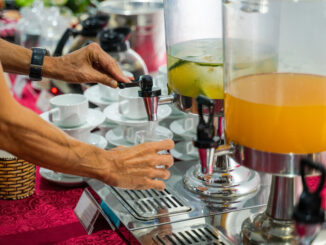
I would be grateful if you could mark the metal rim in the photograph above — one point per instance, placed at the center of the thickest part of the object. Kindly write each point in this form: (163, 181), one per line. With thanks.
(287, 165)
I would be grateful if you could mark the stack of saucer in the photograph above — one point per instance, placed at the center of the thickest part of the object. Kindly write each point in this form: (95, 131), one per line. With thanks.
(101, 95)
(185, 128)
(71, 114)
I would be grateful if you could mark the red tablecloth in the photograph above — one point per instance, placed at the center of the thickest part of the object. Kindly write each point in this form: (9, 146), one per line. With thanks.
(47, 218)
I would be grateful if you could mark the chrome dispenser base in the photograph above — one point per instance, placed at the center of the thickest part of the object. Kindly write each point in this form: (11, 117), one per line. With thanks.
(263, 229)
(228, 184)
(275, 225)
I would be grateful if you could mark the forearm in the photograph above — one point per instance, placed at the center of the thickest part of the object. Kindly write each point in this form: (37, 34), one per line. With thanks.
(14, 58)
(17, 59)
(27, 136)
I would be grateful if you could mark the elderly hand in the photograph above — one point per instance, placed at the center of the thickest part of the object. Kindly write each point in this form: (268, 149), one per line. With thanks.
(88, 64)
(136, 167)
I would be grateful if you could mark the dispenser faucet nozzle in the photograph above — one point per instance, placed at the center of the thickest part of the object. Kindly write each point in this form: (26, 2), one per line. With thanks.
(149, 94)
(206, 141)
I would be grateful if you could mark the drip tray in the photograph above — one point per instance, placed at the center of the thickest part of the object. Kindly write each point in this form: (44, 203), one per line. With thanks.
(151, 204)
(203, 234)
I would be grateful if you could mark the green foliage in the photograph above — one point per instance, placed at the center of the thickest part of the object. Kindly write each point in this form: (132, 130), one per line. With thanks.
(77, 6)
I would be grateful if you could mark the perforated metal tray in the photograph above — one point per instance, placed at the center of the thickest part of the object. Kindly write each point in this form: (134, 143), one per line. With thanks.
(202, 234)
(151, 204)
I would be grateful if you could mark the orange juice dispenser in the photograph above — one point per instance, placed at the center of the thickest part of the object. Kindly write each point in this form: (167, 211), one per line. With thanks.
(194, 40)
(275, 100)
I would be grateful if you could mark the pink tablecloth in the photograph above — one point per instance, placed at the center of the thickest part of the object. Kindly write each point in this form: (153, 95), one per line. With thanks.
(47, 218)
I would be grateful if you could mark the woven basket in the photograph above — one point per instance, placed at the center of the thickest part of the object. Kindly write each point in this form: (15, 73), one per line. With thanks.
(17, 177)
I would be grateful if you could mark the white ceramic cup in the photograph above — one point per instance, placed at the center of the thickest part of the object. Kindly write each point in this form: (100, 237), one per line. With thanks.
(190, 124)
(131, 106)
(108, 93)
(69, 110)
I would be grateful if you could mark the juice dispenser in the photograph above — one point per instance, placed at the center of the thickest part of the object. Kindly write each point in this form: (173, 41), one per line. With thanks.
(275, 104)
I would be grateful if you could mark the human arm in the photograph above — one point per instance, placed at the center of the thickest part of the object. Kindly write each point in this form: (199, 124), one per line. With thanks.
(89, 64)
(25, 135)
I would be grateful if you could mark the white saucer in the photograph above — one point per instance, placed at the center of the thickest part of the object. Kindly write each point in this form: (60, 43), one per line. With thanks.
(98, 141)
(177, 128)
(178, 153)
(61, 179)
(112, 113)
(93, 95)
(94, 119)
(115, 136)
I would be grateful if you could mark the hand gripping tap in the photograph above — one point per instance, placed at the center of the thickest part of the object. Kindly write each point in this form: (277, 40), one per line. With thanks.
(151, 95)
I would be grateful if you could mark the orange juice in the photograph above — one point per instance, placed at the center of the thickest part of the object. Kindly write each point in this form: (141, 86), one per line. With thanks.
(277, 112)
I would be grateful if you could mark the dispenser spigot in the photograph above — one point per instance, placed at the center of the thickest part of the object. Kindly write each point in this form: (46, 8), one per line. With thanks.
(149, 94)
(308, 213)
(206, 141)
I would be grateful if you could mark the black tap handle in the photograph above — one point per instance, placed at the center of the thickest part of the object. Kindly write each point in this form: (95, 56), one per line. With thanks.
(206, 131)
(308, 210)
(316, 166)
(146, 86)
(145, 83)
(128, 85)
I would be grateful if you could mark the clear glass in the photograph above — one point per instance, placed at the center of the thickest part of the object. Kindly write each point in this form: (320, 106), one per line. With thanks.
(152, 135)
(275, 76)
(194, 47)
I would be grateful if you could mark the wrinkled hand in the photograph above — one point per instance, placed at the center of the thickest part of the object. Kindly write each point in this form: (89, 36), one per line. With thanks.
(90, 64)
(135, 167)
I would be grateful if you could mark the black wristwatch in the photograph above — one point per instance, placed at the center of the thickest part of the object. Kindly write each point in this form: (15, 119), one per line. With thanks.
(36, 66)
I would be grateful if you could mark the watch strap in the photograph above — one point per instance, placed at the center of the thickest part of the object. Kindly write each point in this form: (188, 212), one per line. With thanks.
(36, 66)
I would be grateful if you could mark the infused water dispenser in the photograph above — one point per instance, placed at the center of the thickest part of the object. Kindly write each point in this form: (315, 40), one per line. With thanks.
(194, 40)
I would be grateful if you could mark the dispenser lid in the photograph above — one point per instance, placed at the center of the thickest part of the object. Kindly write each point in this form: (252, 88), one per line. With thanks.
(94, 24)
(114, 40)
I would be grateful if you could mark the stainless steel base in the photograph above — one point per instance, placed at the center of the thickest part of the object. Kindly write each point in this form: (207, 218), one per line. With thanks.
(227, 185)
(202, 207)
(262, 229)
(224, 229)
(275, 225)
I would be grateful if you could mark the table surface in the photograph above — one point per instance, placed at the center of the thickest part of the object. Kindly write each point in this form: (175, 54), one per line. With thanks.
(47, 218)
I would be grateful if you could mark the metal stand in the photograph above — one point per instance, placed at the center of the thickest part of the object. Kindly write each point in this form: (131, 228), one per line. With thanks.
(228, 181)
(217, 175)
(275, 225)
